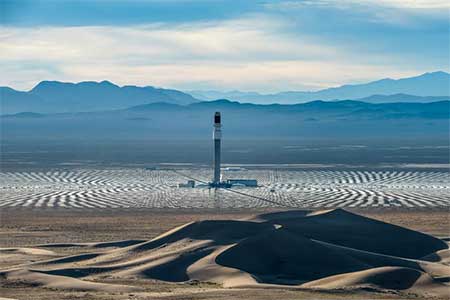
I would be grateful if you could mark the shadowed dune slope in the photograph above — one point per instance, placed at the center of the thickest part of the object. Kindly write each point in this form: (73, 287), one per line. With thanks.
(442, 256)
(282, 257)
(341, 227)
(331, 249)
(220, 231)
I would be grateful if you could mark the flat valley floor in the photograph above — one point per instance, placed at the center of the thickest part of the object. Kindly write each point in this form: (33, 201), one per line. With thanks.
(26, 227)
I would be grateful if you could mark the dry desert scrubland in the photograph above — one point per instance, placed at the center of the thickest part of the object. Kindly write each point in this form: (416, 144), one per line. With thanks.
(224, 254)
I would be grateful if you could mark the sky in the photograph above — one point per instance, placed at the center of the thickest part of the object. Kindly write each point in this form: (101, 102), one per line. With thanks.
(264, 45)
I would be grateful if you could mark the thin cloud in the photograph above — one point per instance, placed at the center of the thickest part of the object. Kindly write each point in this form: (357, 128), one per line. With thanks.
(161, 54)
(255, 52)
(404, 4)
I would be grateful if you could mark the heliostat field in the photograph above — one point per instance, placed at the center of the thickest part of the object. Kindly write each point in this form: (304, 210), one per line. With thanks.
(131, 188)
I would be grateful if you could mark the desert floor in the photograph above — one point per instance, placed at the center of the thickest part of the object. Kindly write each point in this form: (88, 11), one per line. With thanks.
(27, 227)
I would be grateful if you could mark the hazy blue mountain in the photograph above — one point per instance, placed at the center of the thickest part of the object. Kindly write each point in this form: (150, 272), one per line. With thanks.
(428, 84)
(54, 96)
(312, 120)
(212, 95)
(403, 98)
(25, 114)
(12, 101)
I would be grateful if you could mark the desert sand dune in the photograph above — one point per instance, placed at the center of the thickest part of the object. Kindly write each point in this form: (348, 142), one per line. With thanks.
(386, 277)
(341, 227)
(330, 250)
(27, 251)
(124, 243)
(442, 256)
(392, 278)
(280, 257)
(64, 282)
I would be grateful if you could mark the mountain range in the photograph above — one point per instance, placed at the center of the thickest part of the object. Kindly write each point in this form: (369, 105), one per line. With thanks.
(317, 119)
(55, 96)
(412, 89)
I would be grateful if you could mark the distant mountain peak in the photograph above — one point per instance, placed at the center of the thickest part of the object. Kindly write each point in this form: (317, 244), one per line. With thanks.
(438, 73)
(223, 101)
(220, 102)
(47, 83)
(56, 96)
(434, 84)
(106, 82)
(55, 83)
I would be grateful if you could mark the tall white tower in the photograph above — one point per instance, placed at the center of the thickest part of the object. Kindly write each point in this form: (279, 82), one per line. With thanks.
(217, 136)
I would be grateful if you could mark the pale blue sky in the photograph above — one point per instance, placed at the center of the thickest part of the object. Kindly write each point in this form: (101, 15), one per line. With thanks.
(215, 44)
